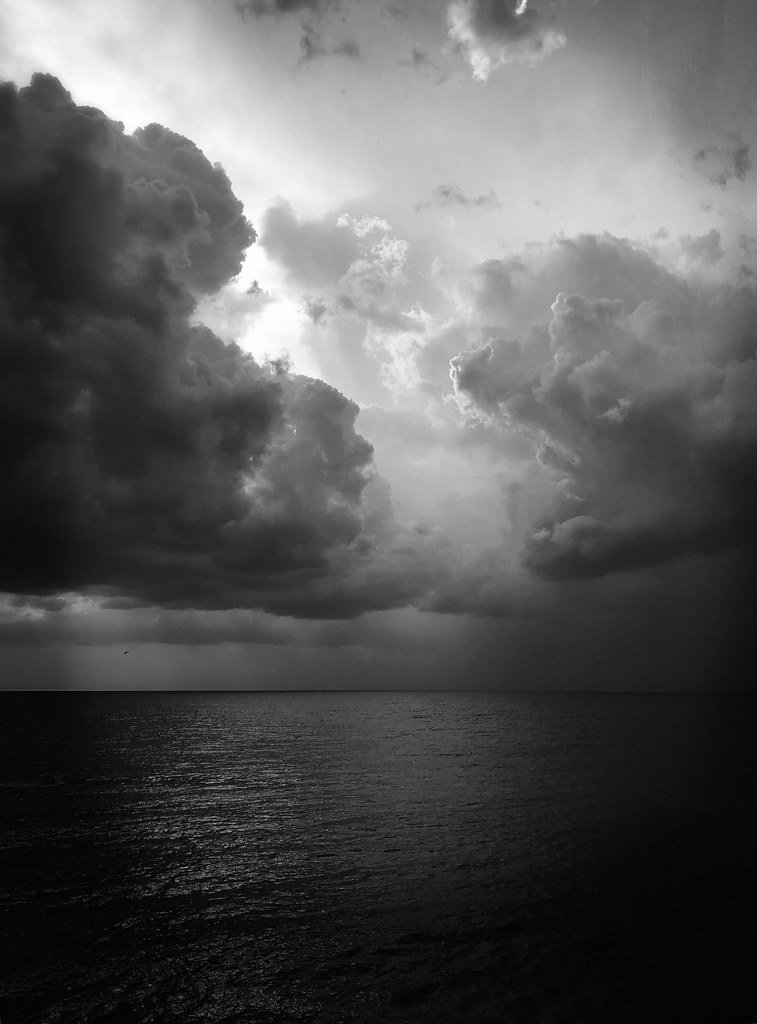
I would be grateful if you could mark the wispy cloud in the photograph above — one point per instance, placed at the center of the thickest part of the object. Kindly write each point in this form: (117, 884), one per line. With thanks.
(453, 195)
(724, 163)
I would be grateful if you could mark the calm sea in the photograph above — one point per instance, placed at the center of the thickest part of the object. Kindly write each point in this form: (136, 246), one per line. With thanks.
(378, 857)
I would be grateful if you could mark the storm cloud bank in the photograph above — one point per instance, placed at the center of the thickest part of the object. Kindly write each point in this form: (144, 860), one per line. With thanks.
(636, 404)
(143, 457)
(608, 396)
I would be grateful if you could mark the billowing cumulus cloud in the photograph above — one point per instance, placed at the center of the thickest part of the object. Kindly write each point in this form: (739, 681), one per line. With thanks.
(515, 291)
(143, 456)
(495, 32)
(637, 401)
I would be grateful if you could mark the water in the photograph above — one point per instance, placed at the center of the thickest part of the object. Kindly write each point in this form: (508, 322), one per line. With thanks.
(378, 857)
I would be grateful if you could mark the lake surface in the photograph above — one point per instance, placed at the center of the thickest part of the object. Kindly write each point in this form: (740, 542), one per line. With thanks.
(378, 857)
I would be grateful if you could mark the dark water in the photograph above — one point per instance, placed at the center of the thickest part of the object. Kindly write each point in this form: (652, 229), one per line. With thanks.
(378, 857)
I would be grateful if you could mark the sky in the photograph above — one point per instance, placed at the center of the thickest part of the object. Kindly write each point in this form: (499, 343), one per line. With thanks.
(351, 344)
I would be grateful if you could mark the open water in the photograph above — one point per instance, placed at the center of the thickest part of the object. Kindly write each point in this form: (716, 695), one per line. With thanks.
(378, 857)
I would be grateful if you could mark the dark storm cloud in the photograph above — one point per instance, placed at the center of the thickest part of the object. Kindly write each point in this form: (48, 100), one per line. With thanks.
(453, 195)
(494, 32)
(71, 619)
(639, 402)
(141, 454)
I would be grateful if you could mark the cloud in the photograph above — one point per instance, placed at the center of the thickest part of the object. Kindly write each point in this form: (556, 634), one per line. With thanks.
(310, 14)
(418, 59)
(143, 456)
(312, 46)
(492, 33)
(492, 286)
(702, 249)
(356, 264)
(421, 61)
(724, 163)
(453, 195)
(369, 314)
(87, 622)
(512, 293)
(637, 402)
(315, 310)
(313, 253)
(371, 286)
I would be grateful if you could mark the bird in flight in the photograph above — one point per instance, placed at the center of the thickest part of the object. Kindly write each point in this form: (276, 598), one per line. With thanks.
(126, 652)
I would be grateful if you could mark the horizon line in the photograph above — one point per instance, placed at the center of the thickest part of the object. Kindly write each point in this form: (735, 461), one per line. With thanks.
(374, 689)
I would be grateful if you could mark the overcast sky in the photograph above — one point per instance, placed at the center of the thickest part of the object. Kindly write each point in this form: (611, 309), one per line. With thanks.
(357, 344)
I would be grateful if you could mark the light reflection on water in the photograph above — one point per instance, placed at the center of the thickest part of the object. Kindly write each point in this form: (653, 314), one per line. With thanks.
(375, 857)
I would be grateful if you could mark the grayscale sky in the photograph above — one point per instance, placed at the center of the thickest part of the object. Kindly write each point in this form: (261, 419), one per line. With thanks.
(362, 344)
